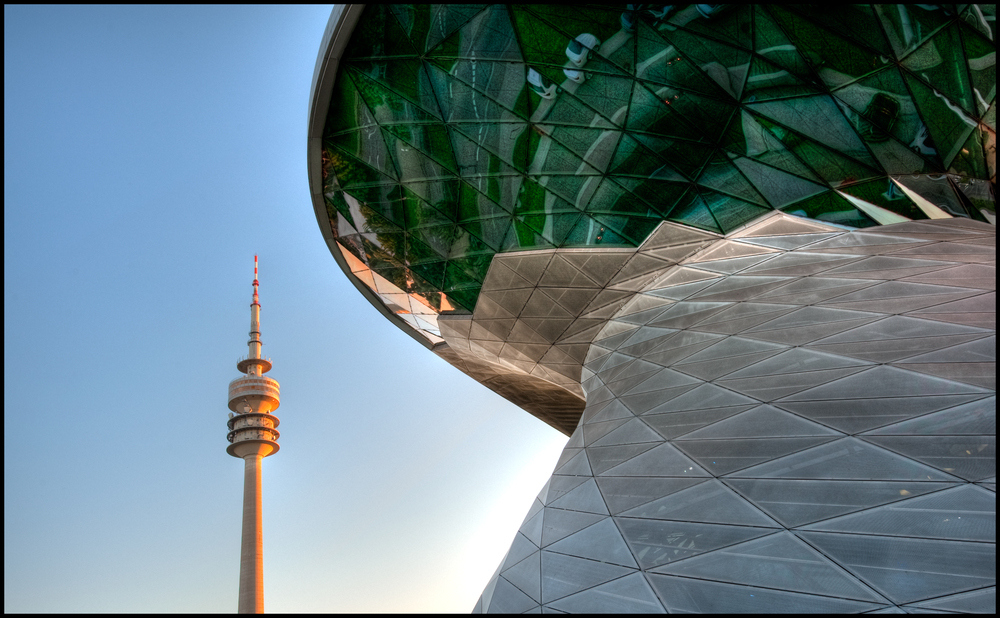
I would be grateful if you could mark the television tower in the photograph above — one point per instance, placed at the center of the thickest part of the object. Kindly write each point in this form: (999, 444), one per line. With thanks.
(253, 436)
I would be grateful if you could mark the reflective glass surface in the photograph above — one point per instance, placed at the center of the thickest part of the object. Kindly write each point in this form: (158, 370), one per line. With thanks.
(456, 132)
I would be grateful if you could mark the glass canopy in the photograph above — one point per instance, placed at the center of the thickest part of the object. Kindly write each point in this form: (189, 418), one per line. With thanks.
(456, 132)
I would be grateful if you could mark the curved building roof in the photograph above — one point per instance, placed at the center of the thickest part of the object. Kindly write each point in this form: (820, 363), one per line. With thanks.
(443, 135)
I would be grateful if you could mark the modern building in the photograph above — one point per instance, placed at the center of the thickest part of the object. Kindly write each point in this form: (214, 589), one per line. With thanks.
(744, 256)
(253, 435)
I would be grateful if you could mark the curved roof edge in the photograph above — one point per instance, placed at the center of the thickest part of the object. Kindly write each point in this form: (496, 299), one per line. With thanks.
(343, 19)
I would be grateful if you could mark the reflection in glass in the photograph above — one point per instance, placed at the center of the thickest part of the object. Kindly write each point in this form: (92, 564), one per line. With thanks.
(457, 132)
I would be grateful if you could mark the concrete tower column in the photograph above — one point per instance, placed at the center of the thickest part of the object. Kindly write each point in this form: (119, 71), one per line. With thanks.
(252, 548)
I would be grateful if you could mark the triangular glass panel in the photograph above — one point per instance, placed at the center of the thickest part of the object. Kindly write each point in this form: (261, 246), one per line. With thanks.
(651, 196)
(710, 502)
(732, 25)
(830, 206)
(532, 526)
(722, 176)
(731, 212)
(571, 111)
(664, 460)
(973, 159)
(773, 44)
(586, 574)
(398, 92)
(584, 497)
(600, 21)
(486, 34)
(974, 418)
(858, 24)
(526, 574)
(796, 502)
(357, 178)
(884, 194)
(965, 513)
(540, 43)
(710, 117)
(975, 602)
(970, 457)
(603, 458)
(885, 381)
(632, 432)
(883, 115)
(608, 95)
(836, 168)
(948, 126)
(659, 64)
(602, 541)
(935, 60)
(859, 415)
(685, 156)
(629, 594)
(934, 568)
(522, 236)
(674, 424)
(656, 541)
(819, 119)
(632, 159)
(444, 20)
(649, 112)
(348, 110)
(692, 210)
(575, 466)
(684, 595)
(559, 160)
(724, 456)
(982, 67)
(508, 599)
(465, 98)
(778, 187)
(848, 458)
(379, 35)
(623, 493)
(724, 64)
(779, 561)
(853, 58)
(767, 80)
(584, 140)
(760, 422)
(521, 548)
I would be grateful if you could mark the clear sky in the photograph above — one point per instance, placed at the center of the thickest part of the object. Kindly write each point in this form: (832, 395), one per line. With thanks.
(149, 152)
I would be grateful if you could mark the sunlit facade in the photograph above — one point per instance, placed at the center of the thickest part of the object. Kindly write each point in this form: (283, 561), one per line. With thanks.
(743, 256)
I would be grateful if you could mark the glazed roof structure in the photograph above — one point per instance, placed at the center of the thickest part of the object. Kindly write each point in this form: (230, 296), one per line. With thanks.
(458, 132)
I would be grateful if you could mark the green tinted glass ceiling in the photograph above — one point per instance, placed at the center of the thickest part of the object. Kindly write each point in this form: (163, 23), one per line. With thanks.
(456, 132)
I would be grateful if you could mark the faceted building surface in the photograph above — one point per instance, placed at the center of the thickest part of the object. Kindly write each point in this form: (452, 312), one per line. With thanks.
(796, 418)
(743, 256)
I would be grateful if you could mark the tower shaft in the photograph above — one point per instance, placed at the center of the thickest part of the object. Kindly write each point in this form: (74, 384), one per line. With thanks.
(252, 548)
(253, 436)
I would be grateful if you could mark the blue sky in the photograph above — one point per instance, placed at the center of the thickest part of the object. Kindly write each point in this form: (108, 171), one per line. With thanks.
(149, 153)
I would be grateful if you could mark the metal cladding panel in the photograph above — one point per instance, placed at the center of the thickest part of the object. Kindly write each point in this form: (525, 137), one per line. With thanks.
(852, 469)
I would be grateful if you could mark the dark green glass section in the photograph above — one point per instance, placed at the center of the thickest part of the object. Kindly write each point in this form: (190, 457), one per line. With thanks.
(459, 131)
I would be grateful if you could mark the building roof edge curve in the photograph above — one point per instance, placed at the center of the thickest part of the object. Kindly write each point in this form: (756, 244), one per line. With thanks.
(340, 27)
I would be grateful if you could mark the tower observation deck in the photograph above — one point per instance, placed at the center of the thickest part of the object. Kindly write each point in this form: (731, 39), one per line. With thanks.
(253, 435)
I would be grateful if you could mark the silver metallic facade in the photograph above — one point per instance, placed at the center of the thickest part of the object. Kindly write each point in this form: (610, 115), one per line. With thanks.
(795, 418)
(791, 412)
